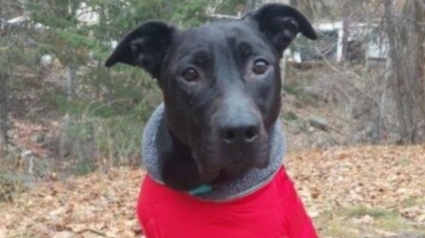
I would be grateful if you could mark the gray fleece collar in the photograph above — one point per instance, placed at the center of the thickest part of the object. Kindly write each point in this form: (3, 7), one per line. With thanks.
(251, 181)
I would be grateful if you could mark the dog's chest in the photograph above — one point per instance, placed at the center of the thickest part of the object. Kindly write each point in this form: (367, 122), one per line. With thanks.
(166, 213)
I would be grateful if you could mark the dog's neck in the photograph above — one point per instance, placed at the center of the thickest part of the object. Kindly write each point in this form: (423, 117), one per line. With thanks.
(161, 150)
(178, 168)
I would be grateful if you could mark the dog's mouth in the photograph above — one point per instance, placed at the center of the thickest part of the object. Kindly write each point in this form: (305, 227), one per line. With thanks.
(217, 163)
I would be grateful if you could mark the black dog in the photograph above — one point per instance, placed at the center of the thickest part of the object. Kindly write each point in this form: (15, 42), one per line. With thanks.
(221, 84)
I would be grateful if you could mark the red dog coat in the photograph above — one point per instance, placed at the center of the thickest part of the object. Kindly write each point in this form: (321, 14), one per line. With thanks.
(272, 211)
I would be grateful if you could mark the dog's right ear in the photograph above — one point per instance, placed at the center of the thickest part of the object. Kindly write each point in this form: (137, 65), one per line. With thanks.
(144, 46)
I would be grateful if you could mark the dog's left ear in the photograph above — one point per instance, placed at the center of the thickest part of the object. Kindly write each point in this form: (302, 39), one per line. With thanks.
(281, 23)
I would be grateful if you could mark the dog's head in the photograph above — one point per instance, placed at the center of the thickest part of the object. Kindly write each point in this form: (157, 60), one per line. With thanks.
(220, 81)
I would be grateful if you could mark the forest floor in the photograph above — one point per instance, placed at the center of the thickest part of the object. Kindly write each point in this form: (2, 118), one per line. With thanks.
(353, 192)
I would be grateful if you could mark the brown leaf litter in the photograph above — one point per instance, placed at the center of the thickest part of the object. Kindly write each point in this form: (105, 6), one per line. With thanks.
(103, 204)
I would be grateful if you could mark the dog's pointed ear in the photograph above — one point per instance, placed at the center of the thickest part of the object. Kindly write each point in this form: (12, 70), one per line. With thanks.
(144, 46)
(281, 23)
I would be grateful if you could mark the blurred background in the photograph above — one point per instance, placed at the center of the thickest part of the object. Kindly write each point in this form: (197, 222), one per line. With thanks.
(62, 113)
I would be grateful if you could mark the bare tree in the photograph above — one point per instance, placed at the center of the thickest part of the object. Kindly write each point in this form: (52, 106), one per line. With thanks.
(419, 25)
(3, 110)
(406, 39)
(70, 81)
(345, 27)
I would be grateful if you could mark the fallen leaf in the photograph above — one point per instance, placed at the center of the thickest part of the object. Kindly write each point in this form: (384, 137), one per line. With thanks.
(421, 218)
(65, 234)
(386, 233)
(367, 219)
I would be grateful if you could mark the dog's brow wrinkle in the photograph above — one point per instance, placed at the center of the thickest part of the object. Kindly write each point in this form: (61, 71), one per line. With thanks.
(201, 57)
(245, 48)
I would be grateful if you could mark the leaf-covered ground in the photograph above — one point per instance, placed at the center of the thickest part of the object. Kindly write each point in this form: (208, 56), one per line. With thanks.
(349, 192)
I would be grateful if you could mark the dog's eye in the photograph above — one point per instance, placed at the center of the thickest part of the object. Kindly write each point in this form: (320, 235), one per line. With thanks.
(190, 75)
(260, 66)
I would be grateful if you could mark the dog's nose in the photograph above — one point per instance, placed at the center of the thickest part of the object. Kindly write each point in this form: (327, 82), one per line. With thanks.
(242, 132)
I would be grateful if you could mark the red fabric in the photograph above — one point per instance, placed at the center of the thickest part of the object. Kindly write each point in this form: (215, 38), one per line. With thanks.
(274, 211)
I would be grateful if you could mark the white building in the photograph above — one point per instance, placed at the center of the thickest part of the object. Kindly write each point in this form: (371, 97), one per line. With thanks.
(364, 37)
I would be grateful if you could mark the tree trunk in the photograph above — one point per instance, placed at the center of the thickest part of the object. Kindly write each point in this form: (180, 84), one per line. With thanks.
(4, 105)
(251, 5)
(407, 55)
(420, 31)
(345, 28)
(413, 75)
(409, 79)
(4, 111)
(305, 8)
(294, 3)
(396, 65)
(70, 90)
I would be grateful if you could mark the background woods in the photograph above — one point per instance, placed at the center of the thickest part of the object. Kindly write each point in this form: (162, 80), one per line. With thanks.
(363, 82)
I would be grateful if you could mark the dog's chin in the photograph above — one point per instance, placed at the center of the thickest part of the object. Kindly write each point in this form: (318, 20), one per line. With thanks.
(228, 168)
(237, 170)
